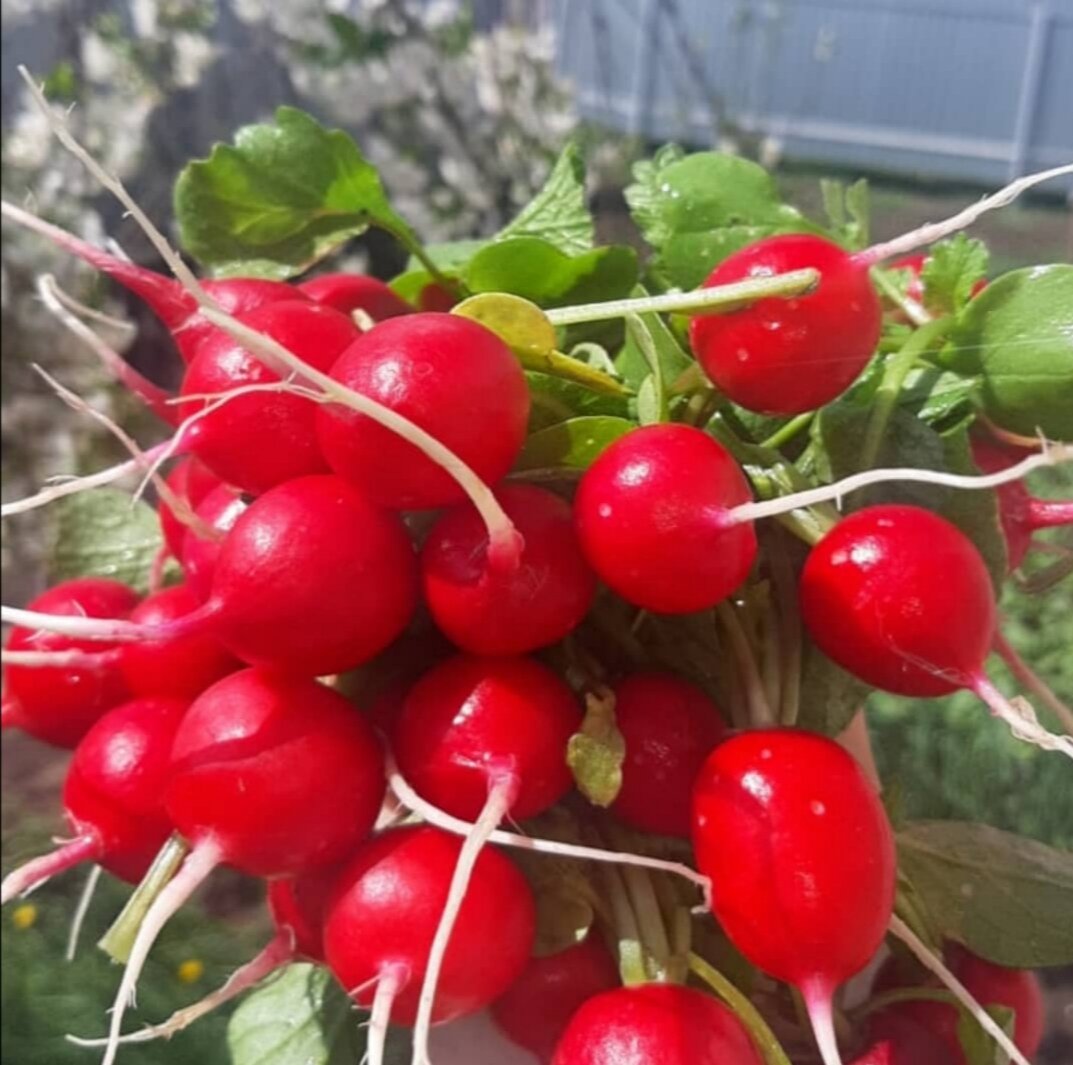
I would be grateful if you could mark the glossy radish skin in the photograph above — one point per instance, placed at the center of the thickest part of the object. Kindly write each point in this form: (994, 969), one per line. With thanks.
(470, 721)
(297, 905)
(651, 1023)
(800, 853)
(259, 440)
(900, 598)
(181, 667)
(670, 727)
(786, 356)
(282, 774)
(989, 984)
(192, 481)
(492, 612)
(356, 292)
(387, 904)
(1021, 514)
(452, 377)
(313, 578)
(58, 705)
(115, 784)
(219, 510)
(651, 517)
(536, 1009)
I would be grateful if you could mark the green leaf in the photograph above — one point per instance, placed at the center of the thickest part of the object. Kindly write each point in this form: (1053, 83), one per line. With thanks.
(652, 405)
(574, 443)
(908, 441)
(556, 400)
(847, 209)
(301, 1017)
(538, 271)
(1017, 336)
(698, 209)
(104, 534)
(951, 271)
(634, 363)
(596, 752)
(1005, 897)
(283, 196)
(558, 213)
(829, 695)
(939, 397)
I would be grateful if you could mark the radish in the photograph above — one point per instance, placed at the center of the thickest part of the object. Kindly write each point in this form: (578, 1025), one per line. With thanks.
(788, 356)
(670, 726)
(181, 667)
(297, 908)
(899, 1041)
(273, 775)
(652, 513)
(58, 704)
(385, 911)
(989, 984)
(801, 858)
(901, 598)
(482, 738)
(218, 510)
(449, 375)
(356, 292)
(191, 481)
(655, 1023)
(536, 1009)
(487, 611)
(176, 308)
(112, 796)
(260, 440)
(1021, 514)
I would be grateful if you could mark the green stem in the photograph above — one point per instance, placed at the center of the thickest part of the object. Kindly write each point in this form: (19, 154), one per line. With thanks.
(654, 942)
(631, 954)
(119, 939)
(782, 576)
(917, 314)
(408, 239)
(760, 713)
(556, 364)
(787, 432)
(717, 300)
(886, 398)
(758, 1029)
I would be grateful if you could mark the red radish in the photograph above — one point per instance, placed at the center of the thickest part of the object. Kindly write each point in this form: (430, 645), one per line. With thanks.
(312, 578)
(1021, 513)
(452, 377)
(487, 611)
(652, 1023)
(191, 481)
(273, 775)
(172, 304)
(385, 911)
(58, 704)
(297, 908)
(356, 292)
(436, 298)
(218, 510)
(901, 598)
(670, 726)
(536, 1009)
(481, 738)
(989, 984)
(259, 440)
(785, 356)
(801, 858)
(900, 1041)
(182, 667)
(653, 516)
(113, 795)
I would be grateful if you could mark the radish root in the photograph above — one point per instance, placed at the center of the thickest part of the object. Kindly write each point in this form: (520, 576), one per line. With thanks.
(34, 873)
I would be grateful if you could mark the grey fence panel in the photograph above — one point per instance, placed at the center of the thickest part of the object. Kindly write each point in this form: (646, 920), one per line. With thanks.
(977, 90)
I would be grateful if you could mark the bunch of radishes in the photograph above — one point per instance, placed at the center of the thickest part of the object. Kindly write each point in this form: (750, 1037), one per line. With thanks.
(385, 644)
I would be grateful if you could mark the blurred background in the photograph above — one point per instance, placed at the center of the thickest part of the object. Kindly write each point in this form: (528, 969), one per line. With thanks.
(462, 107)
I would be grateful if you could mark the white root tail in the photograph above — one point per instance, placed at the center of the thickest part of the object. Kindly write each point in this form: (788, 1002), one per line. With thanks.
(79, 918)
(500, 796)
(818, 1003)
(34, 873)
(1020, 717)
(933, 231)
(441, 819)
(391, 982)
(1050, 455)
(60, 659)
(199, 863)
(935, 965)
(1025, 675)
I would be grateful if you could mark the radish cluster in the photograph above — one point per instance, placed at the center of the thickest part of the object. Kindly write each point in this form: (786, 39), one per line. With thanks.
(347, 487)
